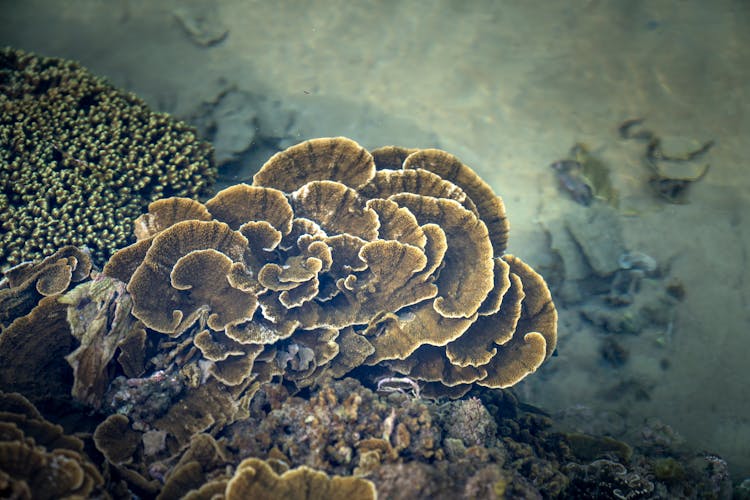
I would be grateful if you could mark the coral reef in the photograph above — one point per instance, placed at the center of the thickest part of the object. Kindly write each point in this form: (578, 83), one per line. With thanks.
(211, 352)
(34, 332)
(342, 428)
(38, 460)
(401, 447)
(333, 242)
(79, 159)
(409, 449)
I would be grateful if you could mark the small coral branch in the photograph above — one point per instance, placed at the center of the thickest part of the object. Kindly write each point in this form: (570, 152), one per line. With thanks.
(404, 385)
(156, 377)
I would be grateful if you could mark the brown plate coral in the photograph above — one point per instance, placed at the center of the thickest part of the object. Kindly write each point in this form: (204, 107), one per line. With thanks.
(38, 460)
(397, 255)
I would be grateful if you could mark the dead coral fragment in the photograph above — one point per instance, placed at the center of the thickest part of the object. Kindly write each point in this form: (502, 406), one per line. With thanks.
(406, 260)
(585, 177)
(670, 177)
(92, 305)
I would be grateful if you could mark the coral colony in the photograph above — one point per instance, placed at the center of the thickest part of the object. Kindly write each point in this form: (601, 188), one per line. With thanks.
(309, 335)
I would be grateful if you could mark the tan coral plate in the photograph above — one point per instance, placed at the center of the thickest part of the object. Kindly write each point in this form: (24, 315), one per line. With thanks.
(399, 252)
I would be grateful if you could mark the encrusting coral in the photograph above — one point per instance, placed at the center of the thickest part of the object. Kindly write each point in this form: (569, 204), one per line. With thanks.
(397, 254)
(79, 159)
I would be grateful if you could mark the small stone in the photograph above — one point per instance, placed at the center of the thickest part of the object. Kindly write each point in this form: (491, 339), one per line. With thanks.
(154, 442)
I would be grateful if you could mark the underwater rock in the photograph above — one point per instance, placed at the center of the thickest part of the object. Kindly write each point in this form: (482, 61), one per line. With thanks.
(649, 307)
(469, 421)
(587, 244)
(598, 233)
(202, 24)
(237, 122)
(229, 122)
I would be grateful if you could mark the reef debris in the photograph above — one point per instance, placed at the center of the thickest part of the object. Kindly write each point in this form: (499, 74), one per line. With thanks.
(100, 320)
(403, 385)
(669, 178)
(350, 440)
(570, 176)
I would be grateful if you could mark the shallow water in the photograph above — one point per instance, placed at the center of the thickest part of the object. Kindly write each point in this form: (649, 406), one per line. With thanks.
(508, 87)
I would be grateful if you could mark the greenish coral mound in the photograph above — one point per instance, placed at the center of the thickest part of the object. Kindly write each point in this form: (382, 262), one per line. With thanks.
(80, 159)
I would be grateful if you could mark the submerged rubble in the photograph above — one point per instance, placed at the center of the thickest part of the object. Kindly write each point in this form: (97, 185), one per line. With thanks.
(487, 443)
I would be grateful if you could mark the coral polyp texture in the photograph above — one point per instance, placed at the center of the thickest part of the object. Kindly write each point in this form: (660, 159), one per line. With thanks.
(79, 159)
(336, 257)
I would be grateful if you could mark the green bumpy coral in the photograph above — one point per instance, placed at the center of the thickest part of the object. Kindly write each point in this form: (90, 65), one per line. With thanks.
(79, 159)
